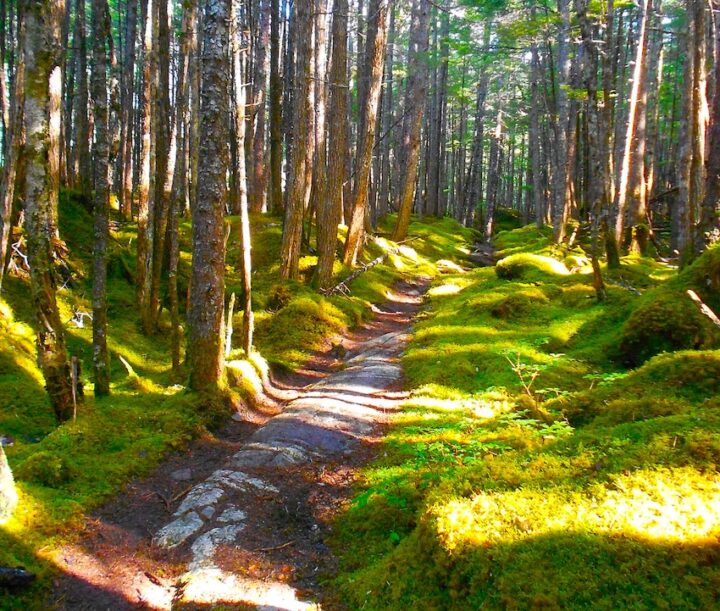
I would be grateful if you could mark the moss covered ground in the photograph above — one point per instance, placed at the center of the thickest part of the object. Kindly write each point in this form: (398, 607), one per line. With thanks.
(63, 472)
(533, 466)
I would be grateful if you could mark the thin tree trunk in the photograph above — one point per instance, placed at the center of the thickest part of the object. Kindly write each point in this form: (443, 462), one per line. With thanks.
(276, 139)
(101, 359)
(245, 244)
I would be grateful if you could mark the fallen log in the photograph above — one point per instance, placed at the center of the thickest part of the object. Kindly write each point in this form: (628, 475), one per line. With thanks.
(343, 289)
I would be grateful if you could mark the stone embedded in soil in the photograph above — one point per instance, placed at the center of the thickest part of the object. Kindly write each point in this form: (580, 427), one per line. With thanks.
(240, 480)
(232, 514)
(178, 531)
(203, 549)
(202, 495)
(182, 475)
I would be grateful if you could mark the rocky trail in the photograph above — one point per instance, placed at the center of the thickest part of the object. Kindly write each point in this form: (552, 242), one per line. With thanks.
(240, 520)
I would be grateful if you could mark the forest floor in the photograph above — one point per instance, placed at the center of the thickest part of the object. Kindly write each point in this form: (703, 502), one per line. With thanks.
(241, 518)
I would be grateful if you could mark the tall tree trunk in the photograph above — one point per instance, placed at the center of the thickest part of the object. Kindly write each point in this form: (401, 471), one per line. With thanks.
(126, 140)
(15, 141)
(163, 182)
(101, 359)
(632, 170)
(301, 166)
(145, 204)
(709, 224)
(82, 135)
(374, 57)
(245, 244)
(276, 139)
(43, 86)
(560, 173)
(538, 193)
(207, 284)
(417, 86)
(179, 188)
(259, 191)
(330, 208)
(692, 134)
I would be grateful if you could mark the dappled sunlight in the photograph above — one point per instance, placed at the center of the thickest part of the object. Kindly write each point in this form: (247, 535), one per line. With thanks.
(665, 505)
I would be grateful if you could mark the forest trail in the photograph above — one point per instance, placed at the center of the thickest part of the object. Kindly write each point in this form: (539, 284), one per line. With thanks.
(250, 532)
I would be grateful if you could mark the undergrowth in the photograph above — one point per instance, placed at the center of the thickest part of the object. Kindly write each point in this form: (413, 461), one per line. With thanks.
(530, 468)
(62, 472)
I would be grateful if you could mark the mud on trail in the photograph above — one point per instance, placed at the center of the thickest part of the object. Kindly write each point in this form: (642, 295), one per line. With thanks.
(239, 520)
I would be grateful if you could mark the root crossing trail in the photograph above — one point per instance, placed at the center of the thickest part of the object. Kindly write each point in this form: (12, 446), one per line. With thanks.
(250, 533)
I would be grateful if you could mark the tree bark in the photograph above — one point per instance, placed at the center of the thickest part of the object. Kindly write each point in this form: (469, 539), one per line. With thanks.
(374, 56)
(416, 89)
(43, 86)
(207, 285)
(301, 165)
(330, 208)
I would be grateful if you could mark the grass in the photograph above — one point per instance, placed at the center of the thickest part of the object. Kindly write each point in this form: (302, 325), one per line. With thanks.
(530, 468)
(64, 472)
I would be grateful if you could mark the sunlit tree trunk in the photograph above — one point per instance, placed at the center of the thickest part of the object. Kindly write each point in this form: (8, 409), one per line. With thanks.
(330, 208)
(207, 284)
(416, 89)
(301, 165)
(43, 86)
(374, 57)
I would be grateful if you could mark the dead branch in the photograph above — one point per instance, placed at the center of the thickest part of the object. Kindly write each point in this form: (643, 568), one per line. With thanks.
(704, 309)
(343, 289)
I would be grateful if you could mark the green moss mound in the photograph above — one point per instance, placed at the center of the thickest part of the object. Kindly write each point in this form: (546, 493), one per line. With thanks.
(528, 265)
(667, 320)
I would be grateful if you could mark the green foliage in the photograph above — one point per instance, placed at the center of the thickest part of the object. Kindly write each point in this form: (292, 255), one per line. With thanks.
(528, 470)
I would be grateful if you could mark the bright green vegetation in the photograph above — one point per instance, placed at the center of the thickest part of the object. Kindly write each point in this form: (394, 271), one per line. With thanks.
(62, 472)
(530, 468)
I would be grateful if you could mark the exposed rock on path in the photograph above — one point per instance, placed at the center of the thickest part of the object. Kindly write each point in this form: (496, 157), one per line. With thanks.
(250, 533)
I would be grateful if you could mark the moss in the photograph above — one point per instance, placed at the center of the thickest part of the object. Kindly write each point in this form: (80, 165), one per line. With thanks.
(526, 265)
(595, 490)
(44, 468)
(666, 319)
(519, 304)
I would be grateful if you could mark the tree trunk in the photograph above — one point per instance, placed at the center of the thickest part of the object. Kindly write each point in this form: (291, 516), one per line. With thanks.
(259, 191)
(245, 244)
(374, 56)
(43, 86)
(632, 170)
(560, 174)
(207, 285)
(101, 359)
(301, 166)
(82, 133)
(417, 85)
(276, 138)
(126, 140)
(330, 208)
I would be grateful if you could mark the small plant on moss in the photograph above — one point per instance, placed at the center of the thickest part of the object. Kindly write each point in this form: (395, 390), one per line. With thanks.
(46, 468)
(278, 297)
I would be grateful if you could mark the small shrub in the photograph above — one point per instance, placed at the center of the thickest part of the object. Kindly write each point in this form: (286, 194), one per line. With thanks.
(278, 297)
(44, 468)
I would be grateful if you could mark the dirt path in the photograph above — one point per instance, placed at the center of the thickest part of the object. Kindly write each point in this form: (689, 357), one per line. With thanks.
(240, 521)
